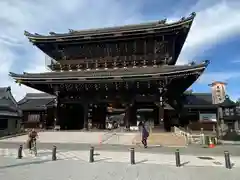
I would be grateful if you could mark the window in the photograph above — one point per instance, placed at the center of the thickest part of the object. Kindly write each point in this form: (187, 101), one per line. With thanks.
(227, 112)
(3, 124)
(16, 123)
(34, 117)
(231, 111)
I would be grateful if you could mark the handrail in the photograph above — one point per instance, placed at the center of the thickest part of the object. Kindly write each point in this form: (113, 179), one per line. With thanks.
(186, 135)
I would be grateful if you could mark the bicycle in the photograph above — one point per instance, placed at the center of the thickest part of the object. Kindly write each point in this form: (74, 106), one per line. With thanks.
(34, 146)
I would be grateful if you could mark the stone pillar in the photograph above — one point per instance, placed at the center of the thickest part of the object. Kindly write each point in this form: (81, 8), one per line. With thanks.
(220, 123)
(56, 112)
(85, 123)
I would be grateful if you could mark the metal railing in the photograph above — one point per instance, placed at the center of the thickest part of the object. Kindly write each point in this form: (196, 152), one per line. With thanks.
(179, 132)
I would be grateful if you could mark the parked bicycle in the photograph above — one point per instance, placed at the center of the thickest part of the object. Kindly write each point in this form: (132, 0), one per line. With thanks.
(34, 146)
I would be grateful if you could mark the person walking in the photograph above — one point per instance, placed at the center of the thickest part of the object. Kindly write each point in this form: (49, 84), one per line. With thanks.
(145, 134)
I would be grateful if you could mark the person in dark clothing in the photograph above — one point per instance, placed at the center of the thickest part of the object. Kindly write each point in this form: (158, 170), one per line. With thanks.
(145, 134)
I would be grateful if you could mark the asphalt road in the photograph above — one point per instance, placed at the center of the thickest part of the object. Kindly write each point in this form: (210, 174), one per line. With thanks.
(190, 150)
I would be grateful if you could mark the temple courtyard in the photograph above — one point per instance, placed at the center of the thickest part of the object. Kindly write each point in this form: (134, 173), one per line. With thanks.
(112, 158)
(25, 169)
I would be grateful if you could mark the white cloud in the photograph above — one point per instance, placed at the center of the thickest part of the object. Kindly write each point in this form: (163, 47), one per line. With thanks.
(45, 16)
(215, 21)
(236, 61)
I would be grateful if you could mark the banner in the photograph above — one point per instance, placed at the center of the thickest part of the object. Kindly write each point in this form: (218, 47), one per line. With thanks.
(204, 117)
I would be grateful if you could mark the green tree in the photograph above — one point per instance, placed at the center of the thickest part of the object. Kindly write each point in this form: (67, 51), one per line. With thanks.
(238, 102)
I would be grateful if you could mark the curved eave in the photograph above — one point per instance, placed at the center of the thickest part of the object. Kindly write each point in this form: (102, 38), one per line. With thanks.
(159, 25)
(75, 76)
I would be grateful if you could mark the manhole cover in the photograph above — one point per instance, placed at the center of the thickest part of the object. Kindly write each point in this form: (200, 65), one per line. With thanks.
(217, 163)
(205, 158)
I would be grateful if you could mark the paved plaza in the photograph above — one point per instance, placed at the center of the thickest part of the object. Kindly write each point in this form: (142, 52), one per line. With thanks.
(124, 157)
(108, 137)
(112, 161)
(26, 169)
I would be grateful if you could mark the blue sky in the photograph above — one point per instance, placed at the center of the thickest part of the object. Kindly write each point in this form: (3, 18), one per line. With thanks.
(214, 34)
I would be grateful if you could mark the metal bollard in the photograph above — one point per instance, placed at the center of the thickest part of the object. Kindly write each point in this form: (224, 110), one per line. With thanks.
(20, 152)
(227, 160)
(177, 157)
(91, 157)
(132, 156)
(54, 153)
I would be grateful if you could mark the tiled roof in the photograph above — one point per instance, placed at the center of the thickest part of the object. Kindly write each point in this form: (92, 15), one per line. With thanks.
(227, 102)
(121, 29)
(198, 100)
(36, 101)
(123, 73)
(8, 105)
(192, 100)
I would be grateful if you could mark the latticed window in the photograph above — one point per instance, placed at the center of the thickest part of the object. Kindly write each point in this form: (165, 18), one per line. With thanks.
(231, 111)
(34, 117)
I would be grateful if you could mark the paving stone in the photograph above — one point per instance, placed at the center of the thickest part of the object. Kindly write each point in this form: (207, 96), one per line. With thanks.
(75, 170)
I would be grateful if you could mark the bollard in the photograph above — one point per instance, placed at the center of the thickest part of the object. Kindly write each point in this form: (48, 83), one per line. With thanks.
(227, 160)
(177, 157)
(20, 152)
(91, 157)
(132, 156)
(54, 153)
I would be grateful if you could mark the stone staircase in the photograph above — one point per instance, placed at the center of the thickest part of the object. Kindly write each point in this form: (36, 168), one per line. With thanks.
(166, 139)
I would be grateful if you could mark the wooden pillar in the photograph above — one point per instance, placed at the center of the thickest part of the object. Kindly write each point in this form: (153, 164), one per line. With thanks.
(127, 116)
(160, 114)
(56, 111)
(161, 107)
(85, 109)
(103, 109)
(133, 116)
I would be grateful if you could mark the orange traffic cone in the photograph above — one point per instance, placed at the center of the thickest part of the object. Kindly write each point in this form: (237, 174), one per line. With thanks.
(211, 145)
(100, 139)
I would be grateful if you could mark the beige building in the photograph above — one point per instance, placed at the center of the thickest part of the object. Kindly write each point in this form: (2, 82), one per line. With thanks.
(218, 92)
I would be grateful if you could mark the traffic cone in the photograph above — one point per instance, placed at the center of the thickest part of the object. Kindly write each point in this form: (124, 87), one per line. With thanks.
(100, 139)
(211, 145)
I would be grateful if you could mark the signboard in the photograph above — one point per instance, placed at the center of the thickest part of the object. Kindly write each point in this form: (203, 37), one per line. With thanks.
(204, 117)
(218, 92)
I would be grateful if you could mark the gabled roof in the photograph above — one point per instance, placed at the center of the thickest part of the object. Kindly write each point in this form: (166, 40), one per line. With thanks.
(227, 103)
(8, 105)
(111, 73)
(36, 101)
(110, 30)
(197, 100)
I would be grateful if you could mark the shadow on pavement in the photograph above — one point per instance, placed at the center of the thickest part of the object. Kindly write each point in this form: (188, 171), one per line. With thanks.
(142, 161)
(24, 164)
(185, 163)
(103, 159)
